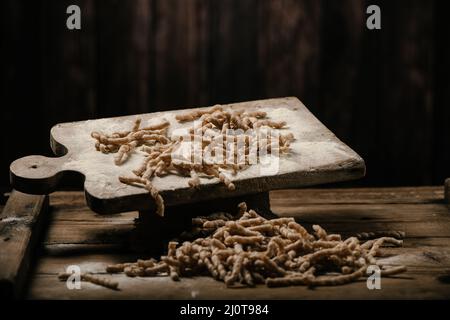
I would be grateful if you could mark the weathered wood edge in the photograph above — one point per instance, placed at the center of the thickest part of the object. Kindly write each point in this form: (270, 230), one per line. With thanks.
(21, 224)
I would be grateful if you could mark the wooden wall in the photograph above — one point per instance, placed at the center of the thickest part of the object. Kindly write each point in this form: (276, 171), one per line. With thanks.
(386, 93)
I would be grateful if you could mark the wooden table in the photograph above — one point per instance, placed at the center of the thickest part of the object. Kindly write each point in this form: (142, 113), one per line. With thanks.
(77, 236)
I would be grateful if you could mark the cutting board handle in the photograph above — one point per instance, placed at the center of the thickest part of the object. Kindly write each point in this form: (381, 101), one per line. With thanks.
(36, 174)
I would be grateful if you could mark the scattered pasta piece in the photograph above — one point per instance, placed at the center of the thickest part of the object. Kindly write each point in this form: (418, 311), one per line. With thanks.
(92, 279)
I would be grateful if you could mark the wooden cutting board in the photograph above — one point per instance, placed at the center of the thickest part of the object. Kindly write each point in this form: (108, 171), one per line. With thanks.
(317, 156)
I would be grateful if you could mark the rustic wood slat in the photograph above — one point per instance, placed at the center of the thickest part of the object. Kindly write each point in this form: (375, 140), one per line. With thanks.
(418, 220)
(89, 233)
(68, 249)
(53, 263)
(289, 48)
(361, 195)
(428, 264)
(431, 286)
(340, 62)
(21, 224)
(74, 223)
(354, 213)
(180, 42)
(367, 84)
(347, 222)
(64, 201)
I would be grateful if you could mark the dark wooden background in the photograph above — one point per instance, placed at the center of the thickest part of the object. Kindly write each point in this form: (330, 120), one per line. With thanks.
(386, 93)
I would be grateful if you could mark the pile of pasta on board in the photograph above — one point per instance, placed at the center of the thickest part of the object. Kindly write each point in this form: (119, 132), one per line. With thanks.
(215, 129)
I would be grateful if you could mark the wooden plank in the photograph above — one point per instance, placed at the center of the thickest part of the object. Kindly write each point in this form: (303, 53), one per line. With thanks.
(316, 157)
(181, 48)
(293, 56)
(89, 233)
(289, 41)
(415, 220)
(69, 61)
(69, 58)
(431, 252)
(80, 225)
(359, 195)
(123, 57)
(342, 26)
(367, 120)
(86, 215)
(393, 89)
(120, 234)
(69, 249)
(71, 206)
(92, 244)
(65, 202)
(94, 262)
(413, 285)
(428, 263)
(21, 224)
(390, 213)
(74, 223)
(407, 53)
(233, 62)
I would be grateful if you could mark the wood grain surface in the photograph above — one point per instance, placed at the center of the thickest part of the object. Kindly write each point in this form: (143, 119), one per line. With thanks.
(21, 225)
